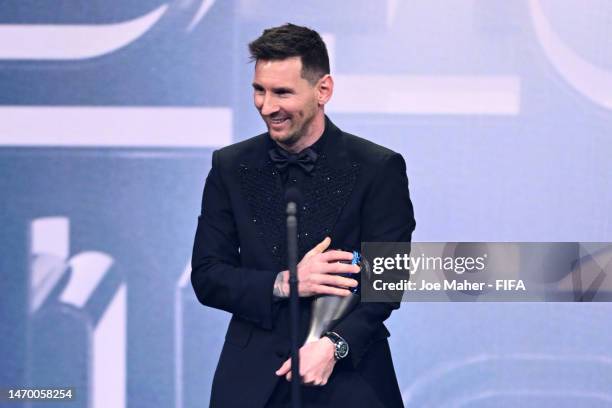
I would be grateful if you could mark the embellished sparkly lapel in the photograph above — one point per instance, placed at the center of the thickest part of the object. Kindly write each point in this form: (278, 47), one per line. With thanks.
(328, 190)
(262, 188)
(325, 192)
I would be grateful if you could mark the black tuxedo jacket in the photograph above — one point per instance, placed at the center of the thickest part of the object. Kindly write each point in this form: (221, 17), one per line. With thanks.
(357, 192)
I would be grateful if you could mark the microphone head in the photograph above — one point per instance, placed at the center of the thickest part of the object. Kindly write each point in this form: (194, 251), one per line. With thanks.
(293, 195)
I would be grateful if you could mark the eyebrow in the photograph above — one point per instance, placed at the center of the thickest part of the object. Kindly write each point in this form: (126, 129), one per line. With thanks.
(281, 89)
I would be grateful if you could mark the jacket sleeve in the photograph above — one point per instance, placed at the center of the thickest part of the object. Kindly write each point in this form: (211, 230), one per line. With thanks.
(393, 224)
(217, 277)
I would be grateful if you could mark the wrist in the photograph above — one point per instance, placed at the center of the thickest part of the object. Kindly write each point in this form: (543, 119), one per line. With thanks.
(281, 285)
(330, 347)
(285, 281)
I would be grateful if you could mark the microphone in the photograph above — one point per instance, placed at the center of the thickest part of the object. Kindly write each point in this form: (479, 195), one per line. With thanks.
(293, 197)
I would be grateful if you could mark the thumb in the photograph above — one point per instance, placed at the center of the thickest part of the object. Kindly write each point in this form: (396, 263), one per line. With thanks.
(284, 369)
(320, 247)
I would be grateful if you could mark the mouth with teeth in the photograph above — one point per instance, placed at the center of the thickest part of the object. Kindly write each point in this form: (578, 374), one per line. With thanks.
(278, 122)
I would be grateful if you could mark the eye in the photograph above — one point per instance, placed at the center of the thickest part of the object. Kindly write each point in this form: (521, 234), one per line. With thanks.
(258, 90)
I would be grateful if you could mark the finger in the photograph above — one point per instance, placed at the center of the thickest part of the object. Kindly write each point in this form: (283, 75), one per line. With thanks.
(288, 376)
(333, 280)
(284, 369)
(337, 255)
(318, 249)
(338, 281)
(330, 290)
(309, 381)
(337, 267)
(321, 246)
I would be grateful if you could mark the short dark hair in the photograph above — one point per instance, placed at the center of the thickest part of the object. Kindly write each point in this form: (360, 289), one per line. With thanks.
(290, 40)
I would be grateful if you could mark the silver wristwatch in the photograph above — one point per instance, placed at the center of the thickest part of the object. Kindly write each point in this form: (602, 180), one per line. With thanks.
(342, 347)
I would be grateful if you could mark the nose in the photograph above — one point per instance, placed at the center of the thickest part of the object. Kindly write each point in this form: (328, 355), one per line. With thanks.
(268, 105)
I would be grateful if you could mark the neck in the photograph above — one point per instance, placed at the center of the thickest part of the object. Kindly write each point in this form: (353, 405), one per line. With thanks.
(313, 133)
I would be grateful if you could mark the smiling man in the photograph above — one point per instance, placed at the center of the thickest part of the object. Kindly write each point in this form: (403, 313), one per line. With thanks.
(353, 191)
(290, 103)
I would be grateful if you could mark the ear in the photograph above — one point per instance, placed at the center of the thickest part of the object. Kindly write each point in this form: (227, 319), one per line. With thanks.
(325, 89)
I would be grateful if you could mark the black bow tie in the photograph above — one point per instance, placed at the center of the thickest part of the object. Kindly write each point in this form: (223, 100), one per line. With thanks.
(306, 159)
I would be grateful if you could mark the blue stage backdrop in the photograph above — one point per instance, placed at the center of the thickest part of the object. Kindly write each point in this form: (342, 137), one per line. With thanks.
(109, 113)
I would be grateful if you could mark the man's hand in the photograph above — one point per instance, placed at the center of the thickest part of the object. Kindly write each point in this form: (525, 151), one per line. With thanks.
(316, 362)
(316, 273)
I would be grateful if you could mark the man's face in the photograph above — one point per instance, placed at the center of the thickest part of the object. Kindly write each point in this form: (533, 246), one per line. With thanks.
(286, 101)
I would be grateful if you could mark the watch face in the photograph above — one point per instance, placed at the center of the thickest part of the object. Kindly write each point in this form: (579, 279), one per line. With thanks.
(342, 349)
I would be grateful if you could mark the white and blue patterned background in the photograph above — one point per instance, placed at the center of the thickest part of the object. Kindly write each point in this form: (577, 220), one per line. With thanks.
(108, 117)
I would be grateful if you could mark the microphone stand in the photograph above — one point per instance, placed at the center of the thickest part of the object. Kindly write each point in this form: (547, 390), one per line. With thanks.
(296, 380)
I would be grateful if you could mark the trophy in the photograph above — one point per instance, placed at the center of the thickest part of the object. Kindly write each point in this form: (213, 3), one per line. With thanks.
(327, 310)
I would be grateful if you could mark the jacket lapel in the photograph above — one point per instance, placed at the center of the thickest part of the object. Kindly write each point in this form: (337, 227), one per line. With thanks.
(262, 189)
(325, 195)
